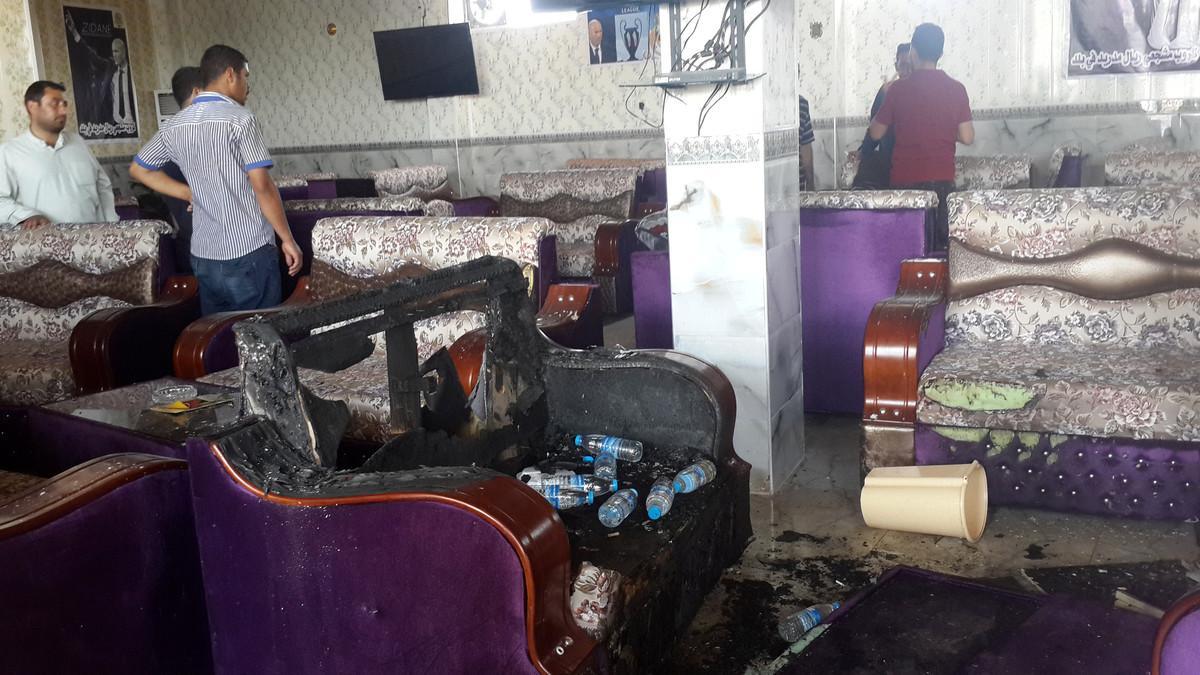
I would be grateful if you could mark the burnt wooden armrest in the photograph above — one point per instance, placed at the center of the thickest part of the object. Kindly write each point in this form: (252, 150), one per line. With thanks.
(892, 354)
(117, 346)
(572, 316)
(77, 487)
(207, 345)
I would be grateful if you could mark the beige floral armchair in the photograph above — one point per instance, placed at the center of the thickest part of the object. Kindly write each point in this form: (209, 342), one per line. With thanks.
(1144, 166)
(592, 212)
(85, 307)
(971, 172)
(1057, 346)
(423, 182)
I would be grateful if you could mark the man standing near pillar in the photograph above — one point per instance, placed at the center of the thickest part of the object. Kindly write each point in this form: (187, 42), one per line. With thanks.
(930, 112)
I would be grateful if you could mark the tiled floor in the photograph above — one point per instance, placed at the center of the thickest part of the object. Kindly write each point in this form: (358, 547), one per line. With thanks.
(810, 546)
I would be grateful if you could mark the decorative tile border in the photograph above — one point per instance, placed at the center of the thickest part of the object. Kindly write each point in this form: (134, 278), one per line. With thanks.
(1172, 106)
(715, 150)
(782, 143)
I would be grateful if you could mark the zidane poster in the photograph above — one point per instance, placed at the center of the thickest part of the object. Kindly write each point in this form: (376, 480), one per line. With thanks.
(1111, 37)
(102, 76)
(622, 35)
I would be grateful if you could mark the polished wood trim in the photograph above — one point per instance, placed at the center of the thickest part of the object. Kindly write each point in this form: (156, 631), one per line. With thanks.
(608, 248)
(117, 346)
(77, 487)
(467, 355)
(893, 337)
(567, 306)
(1174, 615)
(195, 340)
(537, 535)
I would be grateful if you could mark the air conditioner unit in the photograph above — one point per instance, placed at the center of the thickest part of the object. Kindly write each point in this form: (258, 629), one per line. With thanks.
(164, 105)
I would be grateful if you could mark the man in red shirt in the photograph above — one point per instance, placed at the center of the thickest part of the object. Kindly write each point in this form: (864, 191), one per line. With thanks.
(930, 113)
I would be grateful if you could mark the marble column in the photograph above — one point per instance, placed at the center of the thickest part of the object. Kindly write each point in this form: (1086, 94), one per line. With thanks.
(732, 186)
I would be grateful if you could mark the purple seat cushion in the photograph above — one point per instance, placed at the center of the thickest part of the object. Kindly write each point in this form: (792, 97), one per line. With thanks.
(652, 299)
(849, 260)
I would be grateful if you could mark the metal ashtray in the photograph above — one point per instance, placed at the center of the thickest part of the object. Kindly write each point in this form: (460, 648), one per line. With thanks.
(172, 393)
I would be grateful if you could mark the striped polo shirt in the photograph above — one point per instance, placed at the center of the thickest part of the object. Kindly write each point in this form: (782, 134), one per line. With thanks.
(215, 142)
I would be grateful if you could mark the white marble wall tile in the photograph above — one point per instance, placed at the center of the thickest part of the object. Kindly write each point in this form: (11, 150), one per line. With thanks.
(786, 362)
(718, 261)
(787, 440)
(744, 361)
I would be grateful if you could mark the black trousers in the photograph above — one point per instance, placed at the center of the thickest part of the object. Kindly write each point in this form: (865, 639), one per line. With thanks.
(937, 231)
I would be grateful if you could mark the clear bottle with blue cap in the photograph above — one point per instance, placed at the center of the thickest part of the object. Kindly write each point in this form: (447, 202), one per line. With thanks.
(660, 498)
(566, 499)
(695, 476)
(567, 480)
(621, 448)
(618, 507)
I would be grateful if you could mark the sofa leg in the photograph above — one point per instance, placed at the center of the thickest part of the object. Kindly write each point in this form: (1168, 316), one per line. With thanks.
(887, 445)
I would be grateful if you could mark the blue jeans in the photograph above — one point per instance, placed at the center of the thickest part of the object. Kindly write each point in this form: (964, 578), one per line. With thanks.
(249, 282)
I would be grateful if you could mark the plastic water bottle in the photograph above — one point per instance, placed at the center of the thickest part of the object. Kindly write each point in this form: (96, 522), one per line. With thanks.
(660, 498)
(605, 466)
(618, 507)
(622, 448)
(567, 480)
(566, 499)
(795, 626)
(692, 478)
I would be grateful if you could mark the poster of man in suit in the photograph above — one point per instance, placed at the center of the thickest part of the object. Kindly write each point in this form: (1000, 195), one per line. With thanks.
(1111, 37)
(105, 95)
(622, 35)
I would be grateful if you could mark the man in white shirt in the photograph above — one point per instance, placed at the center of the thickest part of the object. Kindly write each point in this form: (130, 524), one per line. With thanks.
(48, 175)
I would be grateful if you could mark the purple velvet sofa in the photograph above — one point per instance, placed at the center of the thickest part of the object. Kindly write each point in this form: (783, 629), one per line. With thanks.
(651, 278)
(101, 571)
(1066, 166)
(1177, 645)
(429, 556)
(1068, 363)
(851, 245)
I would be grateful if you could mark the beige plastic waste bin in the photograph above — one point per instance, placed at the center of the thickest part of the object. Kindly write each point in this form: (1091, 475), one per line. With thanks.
(948, 500)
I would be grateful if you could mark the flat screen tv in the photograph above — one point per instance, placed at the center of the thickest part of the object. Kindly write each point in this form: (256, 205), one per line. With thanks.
(426, 62)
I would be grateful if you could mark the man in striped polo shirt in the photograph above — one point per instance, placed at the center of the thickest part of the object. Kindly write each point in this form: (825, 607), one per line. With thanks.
(236, 211)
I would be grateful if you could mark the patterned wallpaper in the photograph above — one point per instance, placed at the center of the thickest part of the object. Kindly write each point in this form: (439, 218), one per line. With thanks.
(1008, 53)
(312, 89)
(16, 67)
(47, 17)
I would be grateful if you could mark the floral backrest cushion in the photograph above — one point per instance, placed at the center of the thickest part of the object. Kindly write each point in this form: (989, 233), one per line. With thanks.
(970, 173)
(578, 201)
(1050, 223)
(1140, 166)
(372, 246)
(424, 182)
(290, 182)
(615, 163)
(53, 276)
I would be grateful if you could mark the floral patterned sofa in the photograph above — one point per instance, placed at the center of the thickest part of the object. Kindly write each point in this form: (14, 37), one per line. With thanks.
(1071, 323)
(353, 253)
(422, 182)
(592, 211)
(85, 307)
(652, 179)
(971, 173)
(1144, 166)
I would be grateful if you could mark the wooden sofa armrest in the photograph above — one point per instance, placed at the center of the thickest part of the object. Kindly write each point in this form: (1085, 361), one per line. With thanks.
(117, 346)
(207, 345)
(895, 346)
(1177, 612)
(614, 243)
(572, 316)
(77, 487)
